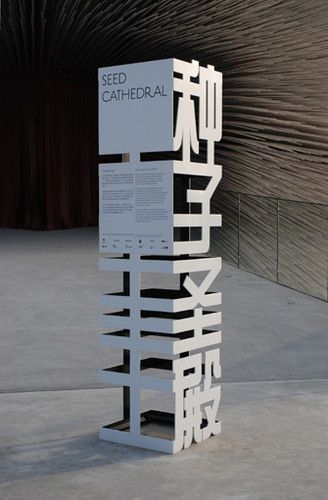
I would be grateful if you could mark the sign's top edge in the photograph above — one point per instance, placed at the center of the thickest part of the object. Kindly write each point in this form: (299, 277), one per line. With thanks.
(148, 163)
(137, 63)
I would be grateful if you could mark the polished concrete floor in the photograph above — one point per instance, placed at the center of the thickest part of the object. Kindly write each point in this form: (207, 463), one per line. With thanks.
(275, 387)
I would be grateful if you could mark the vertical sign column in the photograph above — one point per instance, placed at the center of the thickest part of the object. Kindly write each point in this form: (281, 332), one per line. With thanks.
(169, 338)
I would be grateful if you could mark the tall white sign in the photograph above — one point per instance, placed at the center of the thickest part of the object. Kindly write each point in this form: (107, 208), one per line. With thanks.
(169, 338)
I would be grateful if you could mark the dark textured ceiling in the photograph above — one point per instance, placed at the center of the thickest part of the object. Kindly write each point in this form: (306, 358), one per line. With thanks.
(273, 55)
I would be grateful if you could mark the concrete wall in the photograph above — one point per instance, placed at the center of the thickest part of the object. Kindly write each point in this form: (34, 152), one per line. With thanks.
(284, 241)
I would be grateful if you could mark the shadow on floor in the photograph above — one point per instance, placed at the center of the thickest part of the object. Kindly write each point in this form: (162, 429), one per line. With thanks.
(35, 460)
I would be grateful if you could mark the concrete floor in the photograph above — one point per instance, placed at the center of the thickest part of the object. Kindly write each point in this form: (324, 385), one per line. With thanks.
(275, 393)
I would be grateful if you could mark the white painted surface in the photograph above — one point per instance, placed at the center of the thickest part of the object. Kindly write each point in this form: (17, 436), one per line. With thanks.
(136, 107)
(136, 207)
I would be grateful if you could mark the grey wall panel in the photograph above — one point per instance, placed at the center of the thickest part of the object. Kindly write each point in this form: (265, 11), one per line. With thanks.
(224, 241)
(258, 236)
(303, 247)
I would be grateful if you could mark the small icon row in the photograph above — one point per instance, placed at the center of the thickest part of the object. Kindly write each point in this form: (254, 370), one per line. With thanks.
(127, 244)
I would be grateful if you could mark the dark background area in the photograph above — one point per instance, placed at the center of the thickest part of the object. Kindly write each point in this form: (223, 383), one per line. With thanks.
(273, 55)
(49, 153)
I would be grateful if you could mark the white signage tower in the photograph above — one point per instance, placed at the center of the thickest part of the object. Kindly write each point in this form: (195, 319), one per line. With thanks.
(155, 217)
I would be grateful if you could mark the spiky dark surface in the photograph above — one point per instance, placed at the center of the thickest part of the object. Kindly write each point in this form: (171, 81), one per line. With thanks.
(274, 56)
